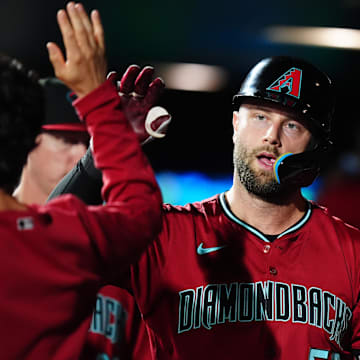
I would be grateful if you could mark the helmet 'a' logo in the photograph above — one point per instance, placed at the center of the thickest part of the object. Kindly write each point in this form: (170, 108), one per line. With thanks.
(291, 80)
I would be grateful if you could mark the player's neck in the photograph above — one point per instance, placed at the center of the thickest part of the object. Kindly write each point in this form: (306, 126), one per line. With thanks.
(7, 202)
(268, 217)
(28, 191)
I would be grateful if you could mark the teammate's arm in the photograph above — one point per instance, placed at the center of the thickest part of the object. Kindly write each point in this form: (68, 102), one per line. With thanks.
(138, 96)
(84, 180)
(133, 199)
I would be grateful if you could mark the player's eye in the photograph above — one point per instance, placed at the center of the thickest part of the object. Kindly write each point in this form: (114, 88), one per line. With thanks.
(294, 127)
(260, 117)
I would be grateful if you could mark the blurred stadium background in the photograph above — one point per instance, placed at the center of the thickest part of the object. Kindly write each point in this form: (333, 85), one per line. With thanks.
(203, 50)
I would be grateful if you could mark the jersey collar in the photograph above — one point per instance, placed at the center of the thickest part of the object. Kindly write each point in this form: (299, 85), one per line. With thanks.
(256, 232)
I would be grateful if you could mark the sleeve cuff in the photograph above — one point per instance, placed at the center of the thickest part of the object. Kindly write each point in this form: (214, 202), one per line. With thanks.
(103, 94)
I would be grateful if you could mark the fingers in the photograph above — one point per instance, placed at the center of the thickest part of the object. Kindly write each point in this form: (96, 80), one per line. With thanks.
(155, 90)
(79, 32)
(56, 57)
(77, 17)
(84, 67)
(127, 82)
(143, 80)
(68, 35)
(98, 29)
(112, 75)
(86, 24)
(138, 84)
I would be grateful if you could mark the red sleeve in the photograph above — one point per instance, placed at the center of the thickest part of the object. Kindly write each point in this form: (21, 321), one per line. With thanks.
(132, 216)
(351, 253)
(355, 320)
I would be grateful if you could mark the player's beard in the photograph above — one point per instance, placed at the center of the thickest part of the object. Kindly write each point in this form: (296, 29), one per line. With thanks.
(256, 181)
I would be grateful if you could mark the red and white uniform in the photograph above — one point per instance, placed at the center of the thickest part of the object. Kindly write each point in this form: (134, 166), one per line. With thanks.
(56, 257)
(213, 287)
(117, 331)
(341, 198)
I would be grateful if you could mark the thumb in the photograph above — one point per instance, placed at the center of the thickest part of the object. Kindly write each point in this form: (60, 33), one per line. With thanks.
(56, 58)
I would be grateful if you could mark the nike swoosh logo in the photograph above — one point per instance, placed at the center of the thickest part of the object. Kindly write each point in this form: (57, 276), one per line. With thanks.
(202, 251)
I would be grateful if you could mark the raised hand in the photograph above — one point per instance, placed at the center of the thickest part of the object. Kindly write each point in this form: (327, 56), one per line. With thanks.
(84, 67)
(138, 95)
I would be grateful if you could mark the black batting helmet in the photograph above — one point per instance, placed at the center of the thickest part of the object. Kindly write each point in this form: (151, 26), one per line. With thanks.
(295, 84)
(299, 86)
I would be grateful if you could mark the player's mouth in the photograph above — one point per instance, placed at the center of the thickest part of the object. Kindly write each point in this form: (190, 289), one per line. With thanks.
(266, 160)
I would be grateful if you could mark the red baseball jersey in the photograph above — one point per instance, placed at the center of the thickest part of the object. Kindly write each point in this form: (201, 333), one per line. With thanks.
(341, 198)
(56, 257)
(117, 331)
(213, 287)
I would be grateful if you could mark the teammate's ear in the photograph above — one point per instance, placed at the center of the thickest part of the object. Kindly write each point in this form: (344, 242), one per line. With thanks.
(38, 139)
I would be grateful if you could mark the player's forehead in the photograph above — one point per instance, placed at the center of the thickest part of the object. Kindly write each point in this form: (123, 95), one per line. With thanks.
(271, 107)
(258, 104)
(72, 137)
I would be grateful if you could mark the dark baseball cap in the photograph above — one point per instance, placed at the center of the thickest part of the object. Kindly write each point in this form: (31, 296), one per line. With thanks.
(59, 113)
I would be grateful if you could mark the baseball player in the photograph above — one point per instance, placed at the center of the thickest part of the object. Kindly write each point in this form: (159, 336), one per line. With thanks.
(117, 330)
(258, 272)
(57, 256)
(61, 143)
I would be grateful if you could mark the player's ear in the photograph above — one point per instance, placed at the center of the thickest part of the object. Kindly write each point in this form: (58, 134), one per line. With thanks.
(38, 139)
(235, 122)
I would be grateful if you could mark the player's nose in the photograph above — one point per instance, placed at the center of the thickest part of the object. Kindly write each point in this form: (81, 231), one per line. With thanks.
(272, 134)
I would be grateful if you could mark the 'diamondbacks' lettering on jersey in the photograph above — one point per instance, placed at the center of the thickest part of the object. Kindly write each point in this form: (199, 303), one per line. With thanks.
(211, 286)
(269, 301)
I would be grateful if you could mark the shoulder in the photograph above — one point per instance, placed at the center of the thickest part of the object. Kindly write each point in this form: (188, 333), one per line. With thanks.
(341, 239)
(93, 218)
(71, 209)
(205, 207)
(193, 217)
(332, 224)
(64, 203)
(64, 209)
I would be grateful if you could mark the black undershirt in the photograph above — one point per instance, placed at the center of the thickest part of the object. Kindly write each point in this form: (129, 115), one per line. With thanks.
(271, 238)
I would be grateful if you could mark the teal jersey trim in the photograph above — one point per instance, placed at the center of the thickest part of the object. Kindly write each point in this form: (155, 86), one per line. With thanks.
(256, 232)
